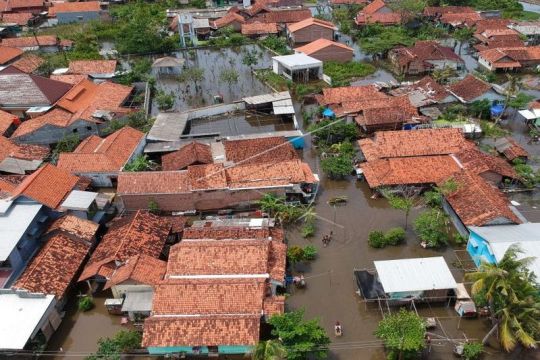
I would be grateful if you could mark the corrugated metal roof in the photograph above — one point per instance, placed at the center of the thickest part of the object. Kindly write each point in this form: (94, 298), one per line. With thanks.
(79, 200)
(283, 107)
(267, 98)
(168, 127)
(419, 274)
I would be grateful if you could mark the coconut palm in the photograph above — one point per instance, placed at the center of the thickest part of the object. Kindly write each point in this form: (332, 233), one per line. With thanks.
(269, 350)
(271, 204)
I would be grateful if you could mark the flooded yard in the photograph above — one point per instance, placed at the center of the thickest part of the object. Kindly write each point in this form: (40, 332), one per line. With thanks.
(214, 62)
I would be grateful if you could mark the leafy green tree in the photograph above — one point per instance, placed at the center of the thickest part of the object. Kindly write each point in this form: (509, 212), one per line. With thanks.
(295, 254)
(300, 337)
(271, 204)
(526, 173)
(402, 333)
(112, 348)
(250, 58)
(404, 202)
(519, 102)
(269, 350)
(432, 227)
(276, 44)
(332, 131)
(409, 8)
(472, 350)
(462, 35)
(165, 101)
(140, 163)
(480, 109)
(443, 75)
(337, 167)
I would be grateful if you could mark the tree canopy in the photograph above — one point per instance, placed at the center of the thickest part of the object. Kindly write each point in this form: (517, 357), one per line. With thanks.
(402, 333)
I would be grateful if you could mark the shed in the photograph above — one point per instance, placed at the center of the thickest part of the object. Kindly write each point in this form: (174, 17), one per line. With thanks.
(168, 65)
(298, 67)
(406, 279)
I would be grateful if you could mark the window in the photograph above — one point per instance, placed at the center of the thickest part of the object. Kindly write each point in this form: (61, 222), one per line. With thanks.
(89, 128)
(75, 131)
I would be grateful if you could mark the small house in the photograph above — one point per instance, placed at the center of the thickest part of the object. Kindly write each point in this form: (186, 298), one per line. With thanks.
(259, 29)
(424, 57)
(168, 65)
(298, 67)
(70, 12)
(327, 50)
(309, 30)
(510, 58)
(471, 89)
(377, 12)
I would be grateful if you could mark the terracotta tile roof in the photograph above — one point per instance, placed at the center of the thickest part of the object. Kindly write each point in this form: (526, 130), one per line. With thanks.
(500, 42)
(374, 7)
(277, 257)
(348, 2)
(510, 56)
(409, 170)
(281, 16)
(259, 28)
(392, 144)
(425, 51)
(228, 232)
(512, 150)
(193, 153)
(262, 150)
(48, 185)
(431, 88)
(142, 269)
(153, 182)
(469, 88)
(10, 149)
(69, 79)
(256, 8)
(6, 121)
(140, 233)
(29, 63)
(206, 177)
(486, 24)
(340, 95)
(54, 267)
(108, 154)
(22, 4)
(270, 174)
(478, 203)
(177, 222)
(310, 22)
(209, 297)
(89, 67)
(21, 18)
(274, 305)
(396, 110)
(224, 257)
(227, 20)
(69, 7)
(462, 18)
(378, 18)
(30, 41)
(478, 162)
(321, 44)
(8, 183)
(8, 54)
(74, 227)
(56, 117)
(440, 10)
(181, 331)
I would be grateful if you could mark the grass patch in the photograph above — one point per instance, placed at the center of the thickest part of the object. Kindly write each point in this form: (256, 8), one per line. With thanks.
(273, 80)
(521, 15)
(492, 130)
(343, 73)
(450, 122)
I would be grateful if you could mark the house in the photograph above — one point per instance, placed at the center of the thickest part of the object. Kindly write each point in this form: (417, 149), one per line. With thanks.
(471, 89)
(488, 244)
(377, 12)
(510, 149)
(26, 317)
(258, 29)
(168, 65)
(510, 58)
(69, 79)
(69, 12)
(197, 309)
(282, 16)
(424, 57)
(495, 35)
(435, 12)
(102, 159)
(532, 113)
(297, 67)
(22, 6)
(20, 91)
(232, 20)
(215, 186)
(20, 159)
(83, 110)
(327, 50)
(309, 30)
(424, 92)
(478, 203)
(529, 29)
(28, 63)
(230, 152)
(390, 114)
(67, 243)
(22, 19)
(45, 43)
(9, 54)
(8, 123)
(138, 233)
(407, 280)
(460, 20)
(96, 69)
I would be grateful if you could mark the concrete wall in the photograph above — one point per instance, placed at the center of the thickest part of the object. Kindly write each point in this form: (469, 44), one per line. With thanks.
(64, 18)
(50, 134)
(311, 33)
(200, 200)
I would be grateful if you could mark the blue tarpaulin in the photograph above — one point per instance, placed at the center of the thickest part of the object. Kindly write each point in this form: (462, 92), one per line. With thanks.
(496, 110)
(328, 113)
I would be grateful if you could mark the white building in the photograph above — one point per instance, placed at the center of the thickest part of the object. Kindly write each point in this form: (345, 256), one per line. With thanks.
(298, 67)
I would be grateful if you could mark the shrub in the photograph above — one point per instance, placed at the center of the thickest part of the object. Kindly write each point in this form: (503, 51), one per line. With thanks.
(308, 230)
(337, 167)
(165, 101)
(376, 239)
(472, 350)
(295, 254)
(431, 227)
(310, 253)
(153, 206)
(85, 303)
(394, 236)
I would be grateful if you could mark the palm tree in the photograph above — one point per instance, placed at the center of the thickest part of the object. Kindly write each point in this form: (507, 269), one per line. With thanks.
(269, 350)
(271, 204)
(512, 297)
(512, 89)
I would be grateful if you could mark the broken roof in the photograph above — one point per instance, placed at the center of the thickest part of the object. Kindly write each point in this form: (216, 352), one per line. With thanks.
(477, 203)
(426, 51)
(510, 148)
(10, 149)
(469, 88)
(95, 154)
(311, 22)
(20, 89)
(424, 142)
(321, 44)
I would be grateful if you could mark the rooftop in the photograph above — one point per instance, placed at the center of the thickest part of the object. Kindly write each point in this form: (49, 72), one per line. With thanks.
(228, 19)
(74, 7)
(320, 44)
(6, 121)
(469, 88)
(8, 54)
(260, 150)
(142, 269)
(29, 63)
(311, 22)
(340, 95)
(426, 51)
(193, 153)
(14, 223)
(410, 275)
(283, 16)
(95, 154)
(259, 28)
(92, 67)
(74, 227)
(297, 61)
(30, 41)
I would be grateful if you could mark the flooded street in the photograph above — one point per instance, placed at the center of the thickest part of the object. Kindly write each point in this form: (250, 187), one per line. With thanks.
(214, 61)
